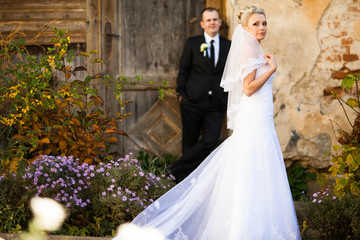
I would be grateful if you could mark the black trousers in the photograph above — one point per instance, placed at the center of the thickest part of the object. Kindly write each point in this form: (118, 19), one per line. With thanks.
(201, 118)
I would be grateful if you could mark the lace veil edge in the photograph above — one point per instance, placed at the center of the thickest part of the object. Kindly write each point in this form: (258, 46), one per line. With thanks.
(245, 55)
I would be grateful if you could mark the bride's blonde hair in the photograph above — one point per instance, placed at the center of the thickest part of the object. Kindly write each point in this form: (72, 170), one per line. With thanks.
(246, 12)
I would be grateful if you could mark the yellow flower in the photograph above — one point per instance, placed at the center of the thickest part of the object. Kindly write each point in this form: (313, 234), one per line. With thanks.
(62, 52)
(68, 38)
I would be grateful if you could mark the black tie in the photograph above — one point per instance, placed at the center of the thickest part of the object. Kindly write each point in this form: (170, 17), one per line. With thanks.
(212, 53)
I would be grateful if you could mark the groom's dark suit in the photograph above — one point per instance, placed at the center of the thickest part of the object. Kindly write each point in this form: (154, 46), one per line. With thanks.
(202, 105)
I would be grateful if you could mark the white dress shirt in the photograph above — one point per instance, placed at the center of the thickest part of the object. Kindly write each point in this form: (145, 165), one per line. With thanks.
(216, 45)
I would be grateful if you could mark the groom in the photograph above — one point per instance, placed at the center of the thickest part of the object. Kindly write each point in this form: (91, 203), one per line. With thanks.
(202, 100)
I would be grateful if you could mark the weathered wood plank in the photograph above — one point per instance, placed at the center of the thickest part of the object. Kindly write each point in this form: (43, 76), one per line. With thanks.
(34, 16)
(45, 38)
(36, 26)
(43, 14)
(25, 4)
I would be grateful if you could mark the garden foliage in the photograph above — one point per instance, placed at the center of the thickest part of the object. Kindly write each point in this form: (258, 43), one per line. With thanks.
(49, 107)
(332, 218)
(43, 114)
(98, 198)
(346, 161)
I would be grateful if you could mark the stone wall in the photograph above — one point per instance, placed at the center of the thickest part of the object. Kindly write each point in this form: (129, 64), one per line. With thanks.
(316, 43)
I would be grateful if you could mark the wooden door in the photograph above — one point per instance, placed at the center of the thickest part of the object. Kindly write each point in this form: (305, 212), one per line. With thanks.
(137, 37)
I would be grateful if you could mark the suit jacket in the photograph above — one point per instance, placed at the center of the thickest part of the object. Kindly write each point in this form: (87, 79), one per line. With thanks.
(197, 77)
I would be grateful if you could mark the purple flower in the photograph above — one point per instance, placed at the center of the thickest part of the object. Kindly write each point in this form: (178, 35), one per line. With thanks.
(103, 193)
(124, 198)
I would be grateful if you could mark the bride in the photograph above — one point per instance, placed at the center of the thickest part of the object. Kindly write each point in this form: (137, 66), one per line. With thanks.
(241, 190)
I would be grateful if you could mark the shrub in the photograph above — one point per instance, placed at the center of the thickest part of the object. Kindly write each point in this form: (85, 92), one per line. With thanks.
(347, 157)
(47, 108)
(333, 218)
(98, 197)
(298, 177)
(153, 164)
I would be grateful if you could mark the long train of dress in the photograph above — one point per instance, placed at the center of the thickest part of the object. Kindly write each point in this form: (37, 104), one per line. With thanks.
(240, 191)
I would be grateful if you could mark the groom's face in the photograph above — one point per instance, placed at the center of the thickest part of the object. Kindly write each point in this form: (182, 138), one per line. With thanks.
(211, 22)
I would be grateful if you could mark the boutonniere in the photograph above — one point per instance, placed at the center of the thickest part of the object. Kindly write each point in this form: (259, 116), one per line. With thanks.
(203, 47)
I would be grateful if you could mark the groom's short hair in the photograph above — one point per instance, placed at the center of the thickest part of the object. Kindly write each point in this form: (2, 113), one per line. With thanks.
(210, 9)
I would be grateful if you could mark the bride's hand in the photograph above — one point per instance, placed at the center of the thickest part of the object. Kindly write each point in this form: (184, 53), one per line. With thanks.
(271, 61)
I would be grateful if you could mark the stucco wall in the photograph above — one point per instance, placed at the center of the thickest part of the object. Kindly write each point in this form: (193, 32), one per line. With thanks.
(316, 43)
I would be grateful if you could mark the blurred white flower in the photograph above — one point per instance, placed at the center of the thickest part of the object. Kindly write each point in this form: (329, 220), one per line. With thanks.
(48, 214)
(1, 238)
(203, 47)
(130, 231)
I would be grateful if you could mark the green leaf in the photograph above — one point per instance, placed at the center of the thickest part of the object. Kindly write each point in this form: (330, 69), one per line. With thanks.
(354, 188)
(344, 82)
(88, 79)
(349, 159)
(350, 82)
(341, 168)
(83, 54)
(322, 179)
(97, 60)
(336, 147)
(352, 102)
(341, 182)
(333, 170)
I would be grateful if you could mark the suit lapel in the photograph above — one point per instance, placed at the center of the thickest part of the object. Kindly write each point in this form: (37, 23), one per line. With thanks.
(202, 40)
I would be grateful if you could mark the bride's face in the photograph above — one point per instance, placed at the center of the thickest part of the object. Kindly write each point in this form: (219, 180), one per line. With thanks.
(257, 26)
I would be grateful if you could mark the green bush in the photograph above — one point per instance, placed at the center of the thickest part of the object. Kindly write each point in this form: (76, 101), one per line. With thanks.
(298, 177)
(346, 158)
(41, 114)
(333, 218)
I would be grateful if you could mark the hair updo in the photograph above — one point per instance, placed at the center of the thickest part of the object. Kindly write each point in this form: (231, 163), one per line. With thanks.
(246, 12)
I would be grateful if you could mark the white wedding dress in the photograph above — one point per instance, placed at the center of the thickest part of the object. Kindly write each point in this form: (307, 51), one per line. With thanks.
(241, 190)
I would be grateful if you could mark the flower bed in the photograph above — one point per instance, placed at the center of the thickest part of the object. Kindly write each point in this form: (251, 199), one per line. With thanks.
(98, 198)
